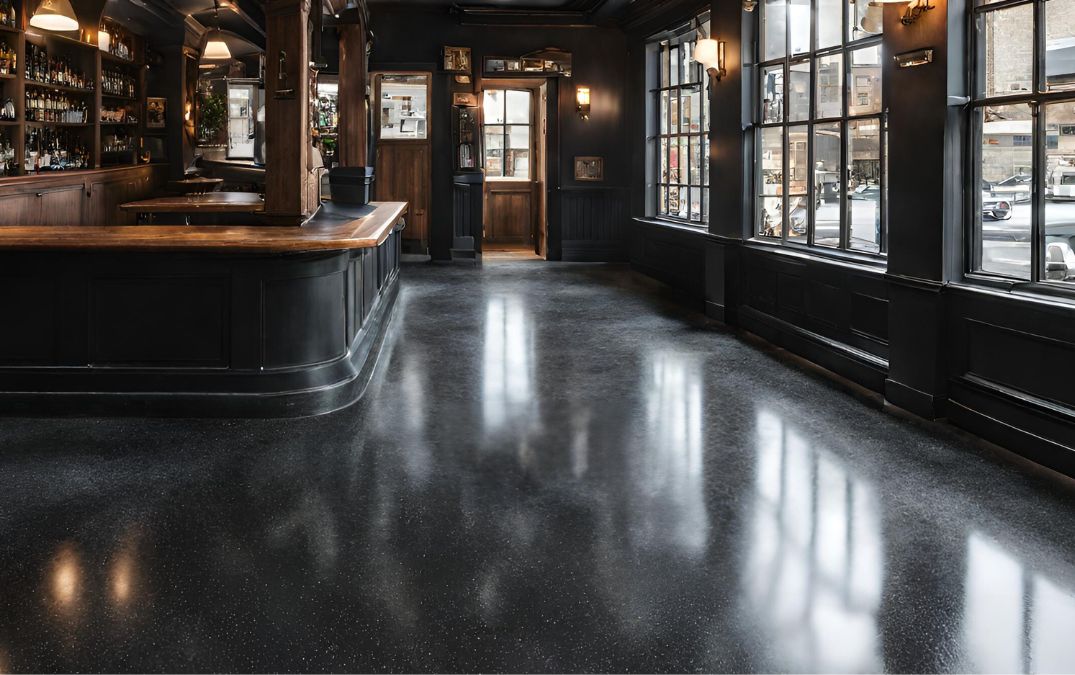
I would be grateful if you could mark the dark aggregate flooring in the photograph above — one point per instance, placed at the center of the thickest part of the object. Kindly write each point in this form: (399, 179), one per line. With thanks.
(555, 468)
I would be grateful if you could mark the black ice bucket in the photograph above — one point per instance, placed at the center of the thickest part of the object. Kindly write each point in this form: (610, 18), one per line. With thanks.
(350, 185)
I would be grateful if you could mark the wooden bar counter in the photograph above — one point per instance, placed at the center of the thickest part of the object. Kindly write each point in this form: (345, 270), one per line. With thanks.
(256, 321)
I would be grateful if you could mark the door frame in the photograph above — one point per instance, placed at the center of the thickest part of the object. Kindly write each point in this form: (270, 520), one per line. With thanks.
(551, 159)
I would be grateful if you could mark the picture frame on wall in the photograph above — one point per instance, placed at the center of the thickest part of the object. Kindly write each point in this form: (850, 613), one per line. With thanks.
(464, 100)
(590, 169)
(495, 65)
(156, 112)
(457, 59)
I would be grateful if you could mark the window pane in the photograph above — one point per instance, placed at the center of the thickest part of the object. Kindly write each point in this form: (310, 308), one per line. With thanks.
(518, 107)
(1006, 63)
(798, 182)
(663, 128)
(1059, 192)
(771, 161)
(664, 64)
(773, 29)
(772, 94)
(799, 23)
(682, 203)
(827, 184)
(688, 75)
(662, 200)
(829, 23)
(866, 19)
(683, 174)
(518, 164)
(494, 106)
(865, 81)
(830, 85)
(696, 203)
(403, 106)
(494, 151)
(519, 137)
(692, 111)
(664, 160)
(770, 213)
(673, 111)
(696, 161)
(864, 182)
(674, 65)
(799, 92)
(1060, 44)
(1006, 171)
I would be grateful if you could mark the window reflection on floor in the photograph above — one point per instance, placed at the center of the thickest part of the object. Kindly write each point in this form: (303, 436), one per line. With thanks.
(508, 378)
(670, 470)
(1018, 621)
(815, 555)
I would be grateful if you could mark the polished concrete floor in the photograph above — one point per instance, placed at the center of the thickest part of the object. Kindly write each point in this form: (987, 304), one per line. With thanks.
(555, 468)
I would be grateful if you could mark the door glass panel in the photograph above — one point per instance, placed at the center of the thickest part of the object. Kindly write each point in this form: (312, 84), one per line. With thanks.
(403, 106)
(494, 151)
(518, 107)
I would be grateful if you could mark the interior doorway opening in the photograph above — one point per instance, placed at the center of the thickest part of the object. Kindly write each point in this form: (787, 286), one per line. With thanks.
(514, 124)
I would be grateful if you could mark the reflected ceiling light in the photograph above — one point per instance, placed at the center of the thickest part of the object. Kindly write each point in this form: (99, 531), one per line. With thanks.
(915, 9)
(55, 15)
(215, 47)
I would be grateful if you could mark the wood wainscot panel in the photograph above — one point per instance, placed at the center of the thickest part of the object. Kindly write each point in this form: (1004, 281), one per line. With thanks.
(31, 330)
(509, 214)
(291, 308)
(869, 317)
(593, 222)
(159, 321)
(1020, 360)
(402, 175)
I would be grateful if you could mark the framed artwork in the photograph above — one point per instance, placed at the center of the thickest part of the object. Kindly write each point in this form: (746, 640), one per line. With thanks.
(590, 168)
(514, 65)
(495, 65)
(464, 100)
(457, 59)
(156, 109)
(533, 65)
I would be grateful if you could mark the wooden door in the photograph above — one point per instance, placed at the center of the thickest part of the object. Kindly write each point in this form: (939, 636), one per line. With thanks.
(509, 213)
(57, 206)
(403, 160)
(511, 179)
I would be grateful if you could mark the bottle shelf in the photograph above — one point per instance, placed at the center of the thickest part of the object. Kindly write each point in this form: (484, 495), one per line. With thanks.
(58, 87)
(34, 123)
(117, 97)
(8, 29)
(119, 60)
(7, 76)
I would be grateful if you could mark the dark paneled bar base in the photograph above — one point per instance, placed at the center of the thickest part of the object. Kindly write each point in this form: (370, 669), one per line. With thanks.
(192, 333)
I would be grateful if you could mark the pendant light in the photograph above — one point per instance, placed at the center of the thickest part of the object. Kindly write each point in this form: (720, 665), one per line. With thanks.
(215, 47)
(55, 15)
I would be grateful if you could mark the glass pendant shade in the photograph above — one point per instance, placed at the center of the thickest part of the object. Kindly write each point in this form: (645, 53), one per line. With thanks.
(216, 48)
(55, 15)
(874, 20)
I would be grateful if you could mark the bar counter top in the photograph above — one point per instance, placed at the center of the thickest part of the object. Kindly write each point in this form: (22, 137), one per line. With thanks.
(334, 227)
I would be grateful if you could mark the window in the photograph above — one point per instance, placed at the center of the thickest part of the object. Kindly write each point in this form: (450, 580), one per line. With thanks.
(681, 130)
(1022, 123)
(820, 131)
(507, 134)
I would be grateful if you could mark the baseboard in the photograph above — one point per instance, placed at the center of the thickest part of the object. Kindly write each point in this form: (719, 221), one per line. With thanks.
(715, 311)
(913, 400)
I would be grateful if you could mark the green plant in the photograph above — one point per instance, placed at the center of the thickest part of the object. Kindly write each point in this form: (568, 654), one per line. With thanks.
(212, 116)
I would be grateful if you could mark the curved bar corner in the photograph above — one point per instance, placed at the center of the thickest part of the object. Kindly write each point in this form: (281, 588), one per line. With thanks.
(197, 321)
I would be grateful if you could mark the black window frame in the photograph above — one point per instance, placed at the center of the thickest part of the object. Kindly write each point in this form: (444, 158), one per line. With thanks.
(845, 49)
(506, 135)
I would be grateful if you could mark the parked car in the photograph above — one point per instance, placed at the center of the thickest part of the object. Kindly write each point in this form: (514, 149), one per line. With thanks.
(867, 192)
(994, 208)
(1059, 245)
(1061, 183)
(1014, 188)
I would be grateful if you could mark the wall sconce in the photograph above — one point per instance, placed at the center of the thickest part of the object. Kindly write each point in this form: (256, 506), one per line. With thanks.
(710, 53)
(915, 9)
(582, 102)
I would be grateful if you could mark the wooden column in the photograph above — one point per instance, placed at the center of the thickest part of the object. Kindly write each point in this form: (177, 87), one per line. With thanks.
(353, 127)
(291, 184)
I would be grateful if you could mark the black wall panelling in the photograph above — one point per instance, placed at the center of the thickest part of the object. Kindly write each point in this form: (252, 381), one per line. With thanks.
(192, 334)
(411, 38)
(593, 223)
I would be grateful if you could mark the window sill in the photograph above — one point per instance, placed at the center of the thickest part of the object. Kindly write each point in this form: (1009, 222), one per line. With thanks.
(1045, 293)
(850, 258)
(678, 225)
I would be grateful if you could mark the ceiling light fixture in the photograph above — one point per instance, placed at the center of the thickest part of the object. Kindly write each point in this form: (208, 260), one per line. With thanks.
(55, 15)
(215, 47)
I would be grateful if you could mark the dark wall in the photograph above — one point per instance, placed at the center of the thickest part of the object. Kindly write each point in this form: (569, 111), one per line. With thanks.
(412, 38)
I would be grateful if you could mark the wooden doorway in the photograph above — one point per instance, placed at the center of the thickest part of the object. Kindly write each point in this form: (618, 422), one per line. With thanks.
(513, 128)
(401, 121)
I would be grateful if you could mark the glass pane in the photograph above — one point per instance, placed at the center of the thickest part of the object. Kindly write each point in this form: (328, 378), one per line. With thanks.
(773, 29)
(1006, 171)
(696, 203)
(679, 202)
(770, 216)
(827, 171)
(829, 23)
(799, 24)
(1006, 37)
(865, 81)
(830, 85)
(688, 75)
(1059, 192)
(866, 19)
(772, 94)
(664, 160)
(799, 92)
(696, 161)
(798, 181)
(403, 106)
(705, 161)
(864, 184)
(518, 164)
(674, 65)
(662, 200)
(673, 111)
(519, 137)
(663, 129)
(664, 64)
(494, 151)
(493, 104)
(518, 107)
(771, 161)
(692, 111)
(683, 174)
(1060, 44)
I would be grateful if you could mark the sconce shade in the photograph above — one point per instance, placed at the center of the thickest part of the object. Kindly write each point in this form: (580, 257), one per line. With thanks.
(215, 48)
(707, 52)
(874, 19)
(582, 96)
(55, 15)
